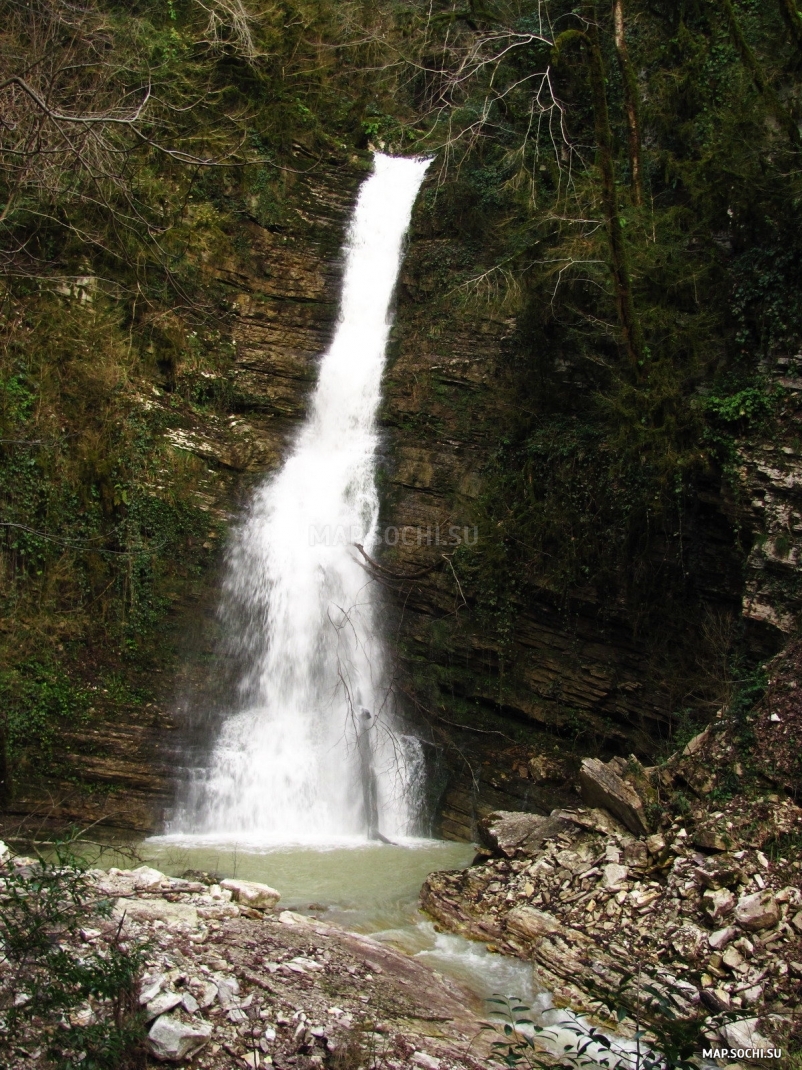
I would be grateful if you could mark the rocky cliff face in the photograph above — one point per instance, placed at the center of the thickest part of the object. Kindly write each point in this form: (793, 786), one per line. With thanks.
(556, 666)
(679, 882)
(283, 283)
(501, 698)
(770, 486)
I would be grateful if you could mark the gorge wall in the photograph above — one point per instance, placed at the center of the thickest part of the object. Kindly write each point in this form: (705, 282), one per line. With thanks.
(513, 693)
(508, 693)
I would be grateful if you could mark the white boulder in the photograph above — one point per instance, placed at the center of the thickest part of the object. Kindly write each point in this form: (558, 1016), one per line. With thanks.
(614, 874)
(161, 1004)
(205, 992)
(145, 877)
(743, 1034)
(170, 1040)
(251, 893)
(760, 910)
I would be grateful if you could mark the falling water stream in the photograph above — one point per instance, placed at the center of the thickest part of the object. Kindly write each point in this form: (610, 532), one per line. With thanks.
(310, 752)
(309, 776)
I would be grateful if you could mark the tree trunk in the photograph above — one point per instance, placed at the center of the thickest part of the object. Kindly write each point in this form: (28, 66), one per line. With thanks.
(631, 102)
(5, 772)
(604, 143)
(750, 61)
(793, 20)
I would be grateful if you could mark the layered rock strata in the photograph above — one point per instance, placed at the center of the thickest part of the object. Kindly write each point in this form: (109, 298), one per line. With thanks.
(704, 911)
(117, 768)
(565, 664)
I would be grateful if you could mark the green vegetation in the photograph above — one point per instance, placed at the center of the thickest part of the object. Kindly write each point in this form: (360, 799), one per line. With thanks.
(671, 1041)
(68, 988)
(629, 183)
(621, 181)
(711, 259)
(139, 143)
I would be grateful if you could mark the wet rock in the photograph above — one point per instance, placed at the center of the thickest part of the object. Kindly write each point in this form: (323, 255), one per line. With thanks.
(292, 918)
(252, 894)
(517, 834)
(171, 1040)
(757, 911)
(603, 787)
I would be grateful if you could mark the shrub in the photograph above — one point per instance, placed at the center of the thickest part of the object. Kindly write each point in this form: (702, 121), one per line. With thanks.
(65, 988)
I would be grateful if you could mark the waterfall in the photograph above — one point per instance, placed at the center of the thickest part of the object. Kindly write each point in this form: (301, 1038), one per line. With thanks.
(309, 751)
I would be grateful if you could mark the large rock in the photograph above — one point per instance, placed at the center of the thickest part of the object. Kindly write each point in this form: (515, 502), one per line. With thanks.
(171, 1041)
(614, 875)
(532, 924)
(717, 903)
(156, 910)
(251, 893)
(723, 872)
(757, 911)
(160, 1004)
(743, 1034)
(146, 878)
(509, 833)
(603, 787)
(721, 937)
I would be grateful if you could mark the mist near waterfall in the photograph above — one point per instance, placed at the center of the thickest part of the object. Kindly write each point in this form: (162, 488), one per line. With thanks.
(309, 751)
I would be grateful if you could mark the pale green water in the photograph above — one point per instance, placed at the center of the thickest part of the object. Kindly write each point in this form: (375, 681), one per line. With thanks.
(367, 887)
(373, 888)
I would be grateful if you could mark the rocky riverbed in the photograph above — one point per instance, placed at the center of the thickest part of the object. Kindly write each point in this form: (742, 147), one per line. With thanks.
(627, 903)
(230, 980)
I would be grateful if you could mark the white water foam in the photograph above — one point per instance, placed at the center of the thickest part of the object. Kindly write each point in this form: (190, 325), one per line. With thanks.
(288, 765)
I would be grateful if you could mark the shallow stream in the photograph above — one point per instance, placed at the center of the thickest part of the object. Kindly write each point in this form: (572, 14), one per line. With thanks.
(366, 887)
(373, 888)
